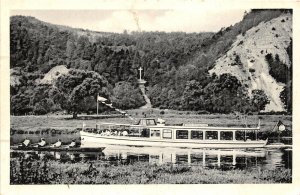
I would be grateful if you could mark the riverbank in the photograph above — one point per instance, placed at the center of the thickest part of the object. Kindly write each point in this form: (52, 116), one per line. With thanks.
(34, 123)
(29, 171)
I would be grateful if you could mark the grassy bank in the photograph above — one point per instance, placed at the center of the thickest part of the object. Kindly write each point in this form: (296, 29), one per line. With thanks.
(52, 172)
(33, 123)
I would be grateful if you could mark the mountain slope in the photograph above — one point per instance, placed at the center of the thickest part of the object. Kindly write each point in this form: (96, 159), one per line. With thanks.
(246, 59)
(175, 65)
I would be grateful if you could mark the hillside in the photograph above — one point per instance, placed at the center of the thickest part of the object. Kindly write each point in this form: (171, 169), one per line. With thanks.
(178, 66)
(246, 58)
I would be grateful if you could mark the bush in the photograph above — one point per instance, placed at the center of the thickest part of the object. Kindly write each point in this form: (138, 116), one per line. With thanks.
(251, 70)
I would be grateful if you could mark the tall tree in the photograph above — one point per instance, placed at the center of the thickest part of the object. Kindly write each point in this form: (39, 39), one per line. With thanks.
(259, 100)
(75, 86)
(126, 96)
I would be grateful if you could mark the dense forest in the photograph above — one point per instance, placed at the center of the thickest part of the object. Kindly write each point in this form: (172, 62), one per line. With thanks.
(175, 67)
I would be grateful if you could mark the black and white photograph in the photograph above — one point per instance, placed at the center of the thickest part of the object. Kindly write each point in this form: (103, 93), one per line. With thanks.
(150, 96)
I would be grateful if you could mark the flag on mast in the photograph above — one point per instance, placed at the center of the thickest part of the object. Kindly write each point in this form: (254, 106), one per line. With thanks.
(101, 99)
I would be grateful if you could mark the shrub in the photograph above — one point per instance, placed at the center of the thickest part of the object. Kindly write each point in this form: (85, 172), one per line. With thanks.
(251, 70)
(240, 43)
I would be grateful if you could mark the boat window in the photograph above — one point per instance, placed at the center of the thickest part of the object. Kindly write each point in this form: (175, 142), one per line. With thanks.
(211, 135)
(240, 135)
(151, 122)
(167, 133)
(226, 135)
(250, 135)
(245, 135)
(145, 132)
(197, 135)
(182, 134)
(134, 132)
(147, 122)
(155, 133)
(142, 122)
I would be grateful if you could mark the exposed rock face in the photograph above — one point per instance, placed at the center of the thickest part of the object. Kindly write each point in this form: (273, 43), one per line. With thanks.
(53, 74)
(246, 58)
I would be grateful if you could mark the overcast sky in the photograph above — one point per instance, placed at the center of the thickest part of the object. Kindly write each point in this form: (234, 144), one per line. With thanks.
(144, 20)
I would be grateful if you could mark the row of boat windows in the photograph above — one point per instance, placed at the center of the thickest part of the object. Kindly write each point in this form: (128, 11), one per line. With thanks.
(182, 134)
(211, 135)
(224, 135)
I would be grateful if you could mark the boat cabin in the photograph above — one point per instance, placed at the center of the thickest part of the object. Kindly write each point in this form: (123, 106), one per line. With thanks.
(152, 129)
(149, 132)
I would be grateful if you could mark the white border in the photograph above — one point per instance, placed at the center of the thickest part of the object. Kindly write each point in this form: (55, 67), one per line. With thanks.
(5, 188)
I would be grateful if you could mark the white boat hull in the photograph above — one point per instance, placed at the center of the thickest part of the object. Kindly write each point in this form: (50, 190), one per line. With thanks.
(96, 140)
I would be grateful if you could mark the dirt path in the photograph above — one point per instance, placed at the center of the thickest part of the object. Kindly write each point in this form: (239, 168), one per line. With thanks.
(148, 102)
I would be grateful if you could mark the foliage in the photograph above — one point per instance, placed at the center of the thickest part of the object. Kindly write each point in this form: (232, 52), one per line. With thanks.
(286, 96)
(171, 61)
(31, 171)
(280, 71)
(126, 96)
(78, 88)
(259, 99)
(287, 92)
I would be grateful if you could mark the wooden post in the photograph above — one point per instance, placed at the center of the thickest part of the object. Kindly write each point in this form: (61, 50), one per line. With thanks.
(219, 159)
(97, 107)
(189, 157)
(139, 131)
(97, 104)
(256, 135)
(203, 158)
(234, 158)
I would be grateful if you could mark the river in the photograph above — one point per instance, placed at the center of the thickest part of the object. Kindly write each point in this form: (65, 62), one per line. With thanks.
(265, 158)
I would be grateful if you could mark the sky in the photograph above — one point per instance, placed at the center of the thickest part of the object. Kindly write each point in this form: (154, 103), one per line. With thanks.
(199, 20)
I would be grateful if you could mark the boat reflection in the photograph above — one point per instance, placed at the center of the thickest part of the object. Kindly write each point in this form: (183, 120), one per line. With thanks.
(204, 157)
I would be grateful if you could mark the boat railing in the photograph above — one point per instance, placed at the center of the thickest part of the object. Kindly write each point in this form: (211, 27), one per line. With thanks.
(195, 125)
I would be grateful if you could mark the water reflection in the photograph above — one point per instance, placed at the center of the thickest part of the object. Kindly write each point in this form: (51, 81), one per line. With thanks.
(211, 158)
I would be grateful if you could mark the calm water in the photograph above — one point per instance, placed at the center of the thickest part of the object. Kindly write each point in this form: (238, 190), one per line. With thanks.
(211, 158)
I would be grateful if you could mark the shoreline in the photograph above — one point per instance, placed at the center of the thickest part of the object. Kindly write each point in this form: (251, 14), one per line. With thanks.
(53, 172)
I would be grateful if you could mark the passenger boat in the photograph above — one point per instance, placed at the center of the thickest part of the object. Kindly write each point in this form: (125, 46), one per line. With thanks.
(149, 132)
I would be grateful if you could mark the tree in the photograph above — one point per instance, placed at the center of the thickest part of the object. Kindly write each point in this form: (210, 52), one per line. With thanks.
(259, 100)
(43, 107)
(126, 96)
(170, 60)
(286, 97)
(75, 86)
(277, 69)
(20, 104)
(224, 94)
(192, 98)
